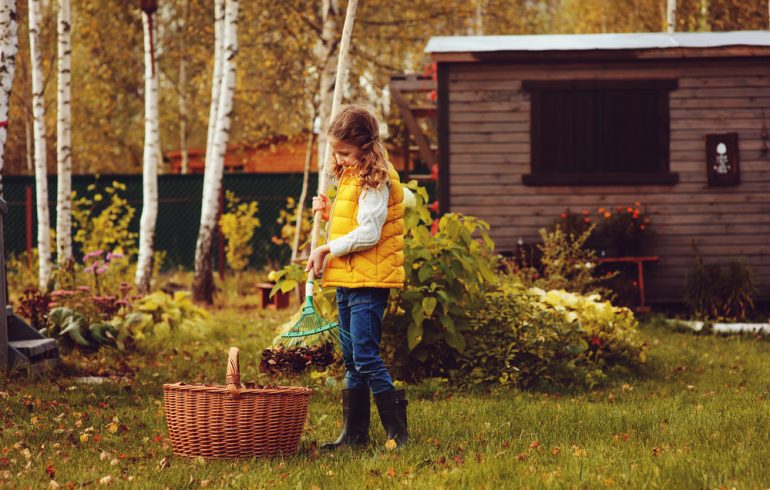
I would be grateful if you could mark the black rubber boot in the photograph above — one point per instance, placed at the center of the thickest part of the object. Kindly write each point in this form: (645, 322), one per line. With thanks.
(392, 408)
(355, 419)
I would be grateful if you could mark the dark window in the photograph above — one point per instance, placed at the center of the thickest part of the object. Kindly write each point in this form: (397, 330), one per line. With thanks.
(599, 132)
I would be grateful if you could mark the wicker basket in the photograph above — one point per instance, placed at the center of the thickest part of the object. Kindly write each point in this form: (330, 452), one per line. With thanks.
(234, 421)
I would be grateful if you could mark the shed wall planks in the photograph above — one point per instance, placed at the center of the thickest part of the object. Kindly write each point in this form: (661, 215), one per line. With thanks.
(489, 151)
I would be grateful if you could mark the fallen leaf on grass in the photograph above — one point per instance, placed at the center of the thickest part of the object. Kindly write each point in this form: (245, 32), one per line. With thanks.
(556, 451)
(390, 445)
(105, 480)
(578, 451)
(521, 456)
(391, 472)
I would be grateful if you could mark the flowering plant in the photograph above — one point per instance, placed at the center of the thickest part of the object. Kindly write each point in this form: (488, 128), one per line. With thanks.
(626, 227)
(574, 224)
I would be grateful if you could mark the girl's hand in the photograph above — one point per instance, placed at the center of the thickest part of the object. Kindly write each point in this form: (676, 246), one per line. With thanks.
(316, 260)
(321, 203)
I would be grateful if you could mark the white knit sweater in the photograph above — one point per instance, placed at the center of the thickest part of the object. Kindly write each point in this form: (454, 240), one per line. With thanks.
(372, 213)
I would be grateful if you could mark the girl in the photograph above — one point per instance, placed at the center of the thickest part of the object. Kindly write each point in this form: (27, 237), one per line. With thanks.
(365, 248)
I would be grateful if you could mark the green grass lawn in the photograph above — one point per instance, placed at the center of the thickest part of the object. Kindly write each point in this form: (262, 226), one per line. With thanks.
(700, 418)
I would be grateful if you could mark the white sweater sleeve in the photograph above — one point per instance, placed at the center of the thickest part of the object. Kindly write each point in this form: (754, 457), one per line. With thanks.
(372, 213)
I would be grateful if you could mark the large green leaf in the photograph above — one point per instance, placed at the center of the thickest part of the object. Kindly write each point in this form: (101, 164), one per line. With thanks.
(429, 305)
(414, 335)
(455, 340)
(73, 328)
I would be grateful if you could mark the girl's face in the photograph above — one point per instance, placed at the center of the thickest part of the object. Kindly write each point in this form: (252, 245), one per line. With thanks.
(345, 153)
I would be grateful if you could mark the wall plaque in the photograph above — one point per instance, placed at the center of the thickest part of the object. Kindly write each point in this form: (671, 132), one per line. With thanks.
(722, 159)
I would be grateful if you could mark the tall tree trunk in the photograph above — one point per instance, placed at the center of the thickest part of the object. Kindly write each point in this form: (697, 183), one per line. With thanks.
(216, 81)
(329, 14)
(671, 15)
(203, 287)
(41, 170)
(704, 15)
(9, 47)
(63, 139)
(342, 69)
(151, 152)
(183, 88)
(28, 145)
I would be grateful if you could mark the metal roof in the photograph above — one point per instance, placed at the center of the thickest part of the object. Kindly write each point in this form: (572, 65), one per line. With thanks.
(577, 42)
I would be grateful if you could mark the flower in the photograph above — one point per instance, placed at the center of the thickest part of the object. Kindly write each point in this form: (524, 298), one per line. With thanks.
(563, 215)
(101, 270)
(91, 255)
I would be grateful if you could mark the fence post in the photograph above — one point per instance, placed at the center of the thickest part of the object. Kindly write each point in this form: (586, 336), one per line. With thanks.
(3, 292)
(28, 207)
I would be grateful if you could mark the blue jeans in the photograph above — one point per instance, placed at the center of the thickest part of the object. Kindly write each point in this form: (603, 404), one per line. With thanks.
(360, 319)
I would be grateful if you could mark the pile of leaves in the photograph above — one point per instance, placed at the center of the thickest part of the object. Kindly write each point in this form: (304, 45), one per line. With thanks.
(294, 360)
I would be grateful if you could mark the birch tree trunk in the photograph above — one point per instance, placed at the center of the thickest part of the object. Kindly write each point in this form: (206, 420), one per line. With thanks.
(183, 88)
(671, 15)
(9, 47)
(342, 69)
(203, 287)
(329, 14)
(216, 81)
(150, 166)
(63, 138)
(41, 171)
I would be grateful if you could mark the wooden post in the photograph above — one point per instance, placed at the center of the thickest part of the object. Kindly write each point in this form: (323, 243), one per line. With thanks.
(3, 292)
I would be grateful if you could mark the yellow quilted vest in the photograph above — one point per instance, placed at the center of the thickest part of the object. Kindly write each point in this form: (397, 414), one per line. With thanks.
(381, 266)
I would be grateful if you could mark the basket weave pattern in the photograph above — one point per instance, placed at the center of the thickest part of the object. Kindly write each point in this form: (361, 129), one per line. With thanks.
(234, 421)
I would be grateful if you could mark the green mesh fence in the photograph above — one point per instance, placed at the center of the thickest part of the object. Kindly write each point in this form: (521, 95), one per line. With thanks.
(179, 210)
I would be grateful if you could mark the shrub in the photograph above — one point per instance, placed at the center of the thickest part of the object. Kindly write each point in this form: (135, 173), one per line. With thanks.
(160, 315)
(238, 225)
(100, 226)
(287, 218)
(530, 338)
(720, 292)
(566, 263)
(447, 274)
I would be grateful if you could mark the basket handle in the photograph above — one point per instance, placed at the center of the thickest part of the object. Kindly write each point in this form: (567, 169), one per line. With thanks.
(233, 376)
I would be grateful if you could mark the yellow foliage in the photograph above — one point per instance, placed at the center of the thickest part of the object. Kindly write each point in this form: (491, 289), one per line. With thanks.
(237, 226)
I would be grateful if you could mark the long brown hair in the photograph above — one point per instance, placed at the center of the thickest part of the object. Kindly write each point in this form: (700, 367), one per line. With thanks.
(356, 126)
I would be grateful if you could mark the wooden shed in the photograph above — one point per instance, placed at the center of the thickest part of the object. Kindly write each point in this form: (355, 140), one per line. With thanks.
(531, 125)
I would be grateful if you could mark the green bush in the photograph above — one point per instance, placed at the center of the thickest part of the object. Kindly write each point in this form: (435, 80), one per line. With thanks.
(447, 274)
(566, 263)
(530, 338)
(721, 292)
(159, 315)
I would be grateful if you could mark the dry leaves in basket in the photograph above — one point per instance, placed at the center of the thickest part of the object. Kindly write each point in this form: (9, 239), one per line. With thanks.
(294, 360)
